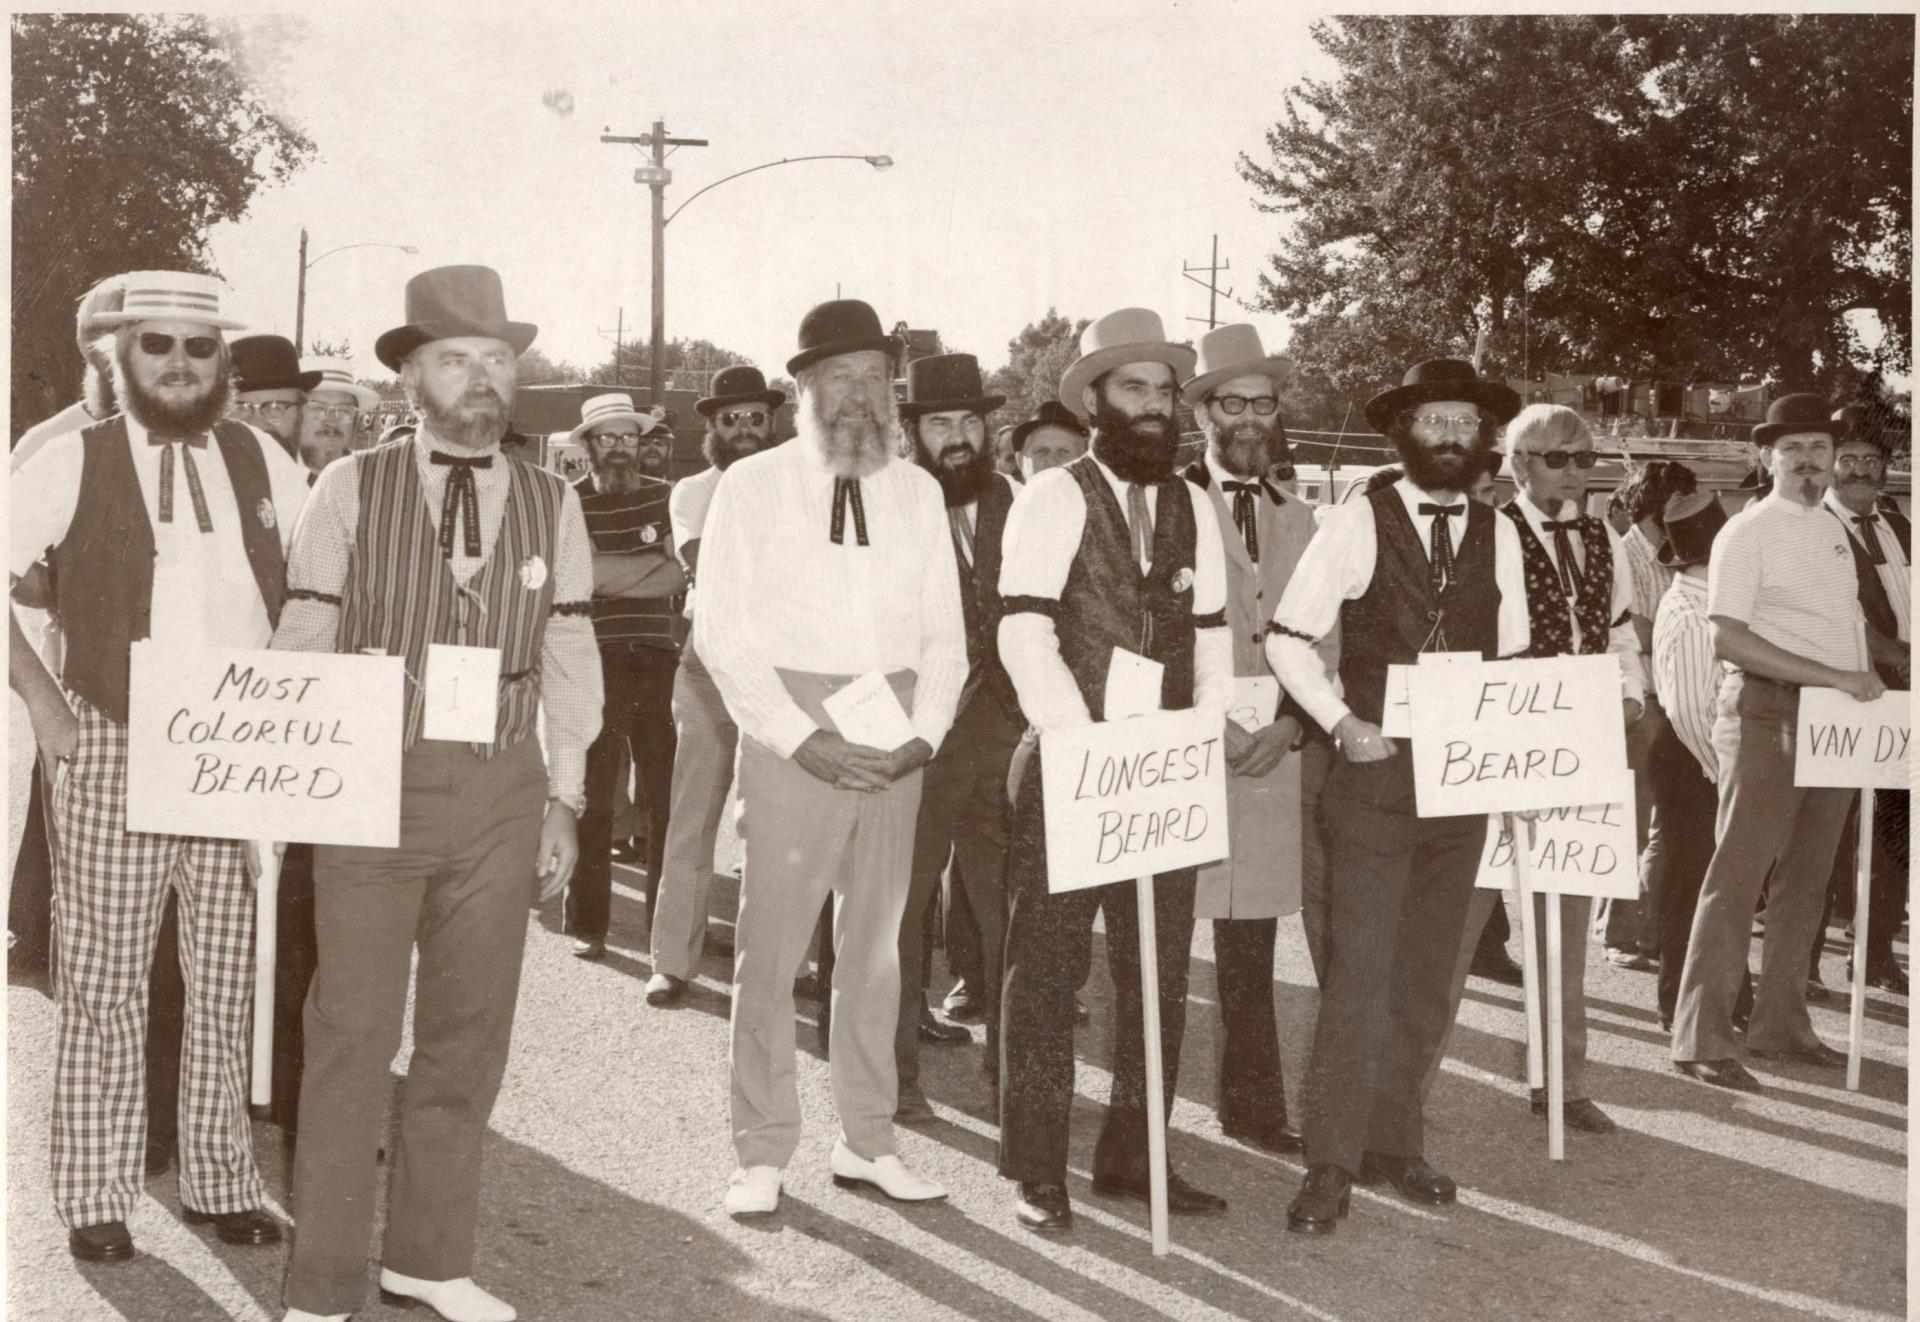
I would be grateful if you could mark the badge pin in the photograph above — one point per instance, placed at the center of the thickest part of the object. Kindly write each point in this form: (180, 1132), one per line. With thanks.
(533, 574)
(268, 519)
(649, 535)
(1183, 580)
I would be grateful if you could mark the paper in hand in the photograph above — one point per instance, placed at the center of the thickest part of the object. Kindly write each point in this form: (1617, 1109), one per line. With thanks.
(867, 712)
(1133, 685)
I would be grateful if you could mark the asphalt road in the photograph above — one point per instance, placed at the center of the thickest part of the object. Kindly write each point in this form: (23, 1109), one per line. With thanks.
(609, 1154)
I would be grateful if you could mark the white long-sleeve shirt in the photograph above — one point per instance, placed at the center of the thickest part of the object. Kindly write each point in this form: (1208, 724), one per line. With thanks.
(777, 594)
(1684, 664)
(1041, 539)
(1338, 566)
(1622, 641)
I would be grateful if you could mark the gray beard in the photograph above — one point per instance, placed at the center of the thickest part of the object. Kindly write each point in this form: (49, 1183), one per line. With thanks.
(469, 431)
(850, 447)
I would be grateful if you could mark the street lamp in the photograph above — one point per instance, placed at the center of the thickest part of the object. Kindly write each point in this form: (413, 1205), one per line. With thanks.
(300, 307)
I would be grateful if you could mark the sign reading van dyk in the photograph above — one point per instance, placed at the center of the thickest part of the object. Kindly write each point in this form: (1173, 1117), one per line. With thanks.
(1845, 743)
(1132, 797)
(1509, 736)
(247, 744)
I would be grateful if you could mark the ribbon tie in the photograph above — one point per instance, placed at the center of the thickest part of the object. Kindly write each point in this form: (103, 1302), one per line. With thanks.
(962, 535)
(1245, 518)
(463, 498)
(189, 444)
(1140, 520)
(846, 491)
(1866, 524)
(1563, 550)
(1440, 555)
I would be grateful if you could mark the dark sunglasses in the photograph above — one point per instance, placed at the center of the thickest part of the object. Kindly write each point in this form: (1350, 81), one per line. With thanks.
(156, 345)
(732, 416)
(1558, 459)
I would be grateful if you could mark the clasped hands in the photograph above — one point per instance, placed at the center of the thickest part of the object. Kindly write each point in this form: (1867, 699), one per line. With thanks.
(1257, 754)
(850, 766)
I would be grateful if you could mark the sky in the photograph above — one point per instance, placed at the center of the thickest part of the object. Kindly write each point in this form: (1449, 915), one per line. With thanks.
(1070, 154)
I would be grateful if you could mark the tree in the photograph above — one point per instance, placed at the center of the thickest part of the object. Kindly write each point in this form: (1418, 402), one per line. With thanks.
(534, 368)
(1036, 359)
(696, 360)
(317, 348)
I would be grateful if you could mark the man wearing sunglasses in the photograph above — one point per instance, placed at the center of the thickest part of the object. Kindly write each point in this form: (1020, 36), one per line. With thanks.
(269, 389)
(167, 521)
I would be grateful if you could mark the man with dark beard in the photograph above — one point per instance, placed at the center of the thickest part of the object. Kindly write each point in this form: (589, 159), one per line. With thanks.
(269, 389)
(635, 576)
(827, 572)
(739, 418)
(436, 538)
(1386, 570)
(963, 802)
(166, 521)
(1111, 553)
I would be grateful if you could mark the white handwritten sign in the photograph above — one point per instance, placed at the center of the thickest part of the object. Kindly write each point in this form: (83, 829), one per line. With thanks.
(1131, 798)
(1847, 743)
(1396, 712)
(257, 745)
(1576, 851)
(1501, 736)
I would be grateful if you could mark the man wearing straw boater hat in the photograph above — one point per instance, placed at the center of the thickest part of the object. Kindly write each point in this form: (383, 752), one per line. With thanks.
(153, 516)
(1415, 567)
(1783, 598)
(1109, 550)
(635, 576)
(269, 387)
(1234, 395)
(332, 416)
(826, 564)
(436, 538)
(739, 422)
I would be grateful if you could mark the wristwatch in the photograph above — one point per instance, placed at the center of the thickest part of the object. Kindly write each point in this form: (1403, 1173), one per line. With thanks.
(573, 803)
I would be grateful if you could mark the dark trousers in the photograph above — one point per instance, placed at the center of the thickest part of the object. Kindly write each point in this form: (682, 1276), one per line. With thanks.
(1398, 888)
(1887, 887)
(638, 712)
(1252, 1092)
(1316, 763)
(296, 955)
(963, 815)
(1687, 803)
(1049, 952)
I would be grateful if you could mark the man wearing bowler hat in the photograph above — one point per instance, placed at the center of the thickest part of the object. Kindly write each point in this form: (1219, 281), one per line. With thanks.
(1112, 554)
(1053, 436)
(1415, 567)
(1783, 599)
(436, 538)
(269, 387)
(826, 565)
(739, 422)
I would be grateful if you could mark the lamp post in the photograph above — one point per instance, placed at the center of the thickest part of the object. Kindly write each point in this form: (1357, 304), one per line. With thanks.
(300, 306)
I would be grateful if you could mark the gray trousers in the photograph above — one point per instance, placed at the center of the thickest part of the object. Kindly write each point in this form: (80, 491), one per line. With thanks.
(702, 771)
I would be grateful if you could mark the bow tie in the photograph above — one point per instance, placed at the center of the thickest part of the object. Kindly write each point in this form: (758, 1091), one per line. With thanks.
(1426, 508)
(197, 441)
(1245, 518)
(463, 498)
(1563, 549)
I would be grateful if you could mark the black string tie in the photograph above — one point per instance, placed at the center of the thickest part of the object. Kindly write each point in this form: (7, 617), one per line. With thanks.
(463, 497)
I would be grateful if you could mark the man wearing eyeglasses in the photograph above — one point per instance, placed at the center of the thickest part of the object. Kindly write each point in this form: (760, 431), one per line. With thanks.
(166, 521)
(269, 389)
(332, 414)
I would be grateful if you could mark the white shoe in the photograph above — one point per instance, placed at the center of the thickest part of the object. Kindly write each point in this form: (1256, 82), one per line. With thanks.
(457, 1301)
(753, 1191)
(888, 1174)
(302, 1315)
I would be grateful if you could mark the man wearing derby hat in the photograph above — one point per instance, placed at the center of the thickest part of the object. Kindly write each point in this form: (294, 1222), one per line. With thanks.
(963, 800)
(1053, 436)
(739, 417)
(1415, 567)
(166, 521)
(1109, 550)
(269, 388)
(829, 615)
(436, 538)
(1234, 395)
(335, 405)
(1783, 599)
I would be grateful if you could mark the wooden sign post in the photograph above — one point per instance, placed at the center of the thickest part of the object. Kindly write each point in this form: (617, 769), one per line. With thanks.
(266, 964)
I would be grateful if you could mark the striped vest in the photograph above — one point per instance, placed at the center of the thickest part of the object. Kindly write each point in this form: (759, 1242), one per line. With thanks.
(400, 596)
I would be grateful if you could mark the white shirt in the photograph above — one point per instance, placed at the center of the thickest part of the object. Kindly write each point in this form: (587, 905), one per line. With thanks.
(1685, 669)
(204, 593)
(1622, 641)
(1337, 567)
(1651, 579)
(69, 420)
(687, 514)
(1784, 570)
(777, 594)
(1037, 550)
(1895, 573)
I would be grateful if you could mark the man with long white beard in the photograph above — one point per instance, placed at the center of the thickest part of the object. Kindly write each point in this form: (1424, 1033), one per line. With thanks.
(826, 567)
(166, 521)
(1113, 553)
(739, 422)
(436, 538)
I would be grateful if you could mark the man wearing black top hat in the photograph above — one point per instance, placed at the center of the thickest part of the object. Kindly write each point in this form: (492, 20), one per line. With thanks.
(269, 389)
(1415, 567)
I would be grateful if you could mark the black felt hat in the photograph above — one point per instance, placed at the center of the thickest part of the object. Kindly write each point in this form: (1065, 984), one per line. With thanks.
(1797, 413)
(944, 382)
(740, 384)
(1442, 378)
(841, 325)
(268, 362)
(1051, 413)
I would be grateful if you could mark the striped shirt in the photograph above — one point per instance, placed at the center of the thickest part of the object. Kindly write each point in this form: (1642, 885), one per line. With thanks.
(1685, 673)
(1895, 573)
(1648, 578)
(625, 525)
(1784, 570)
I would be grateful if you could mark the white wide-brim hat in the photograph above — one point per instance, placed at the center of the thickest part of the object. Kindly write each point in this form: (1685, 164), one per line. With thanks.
(1131, 335)
(615, 406)
(169, 296)
(337, 374)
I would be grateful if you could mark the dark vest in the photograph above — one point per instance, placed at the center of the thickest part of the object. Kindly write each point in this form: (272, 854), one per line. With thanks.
(1552, 633)
(980, 600)
(1874, 603)
(103, 568)
(400, 596)
(1109, 603)
(1399, 616)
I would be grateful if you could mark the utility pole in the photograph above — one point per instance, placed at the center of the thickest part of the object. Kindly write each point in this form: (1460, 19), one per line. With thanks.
(619, 346)
(300, 307)
(656, 176)
(1210, 284)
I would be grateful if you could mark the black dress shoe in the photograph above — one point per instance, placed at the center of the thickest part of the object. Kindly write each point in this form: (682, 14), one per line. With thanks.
(1182, 1198)
(1577, 1113)
(105, 1242)
(1412, 1176)
(1322, 1200)
(1887, 977)
(1044, 1208)
(1819, 1054)
(1497, 967)
(251, 1227)
(159, 1155)
(1272, 1136)
(1816, 992)
(1720, 1073)
(946, 1035)
(1082, 1016)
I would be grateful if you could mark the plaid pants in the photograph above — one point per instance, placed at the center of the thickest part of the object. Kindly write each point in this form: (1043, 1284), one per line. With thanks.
(110, 888)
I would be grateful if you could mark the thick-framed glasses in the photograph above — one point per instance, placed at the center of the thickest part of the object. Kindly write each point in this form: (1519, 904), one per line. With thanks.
(155, 344)
(271, 409)
(1559, 459)
(1860, 463)
(751, 417)
(334, 412)
(1446, 422)
(1234, 405)
(625, 440)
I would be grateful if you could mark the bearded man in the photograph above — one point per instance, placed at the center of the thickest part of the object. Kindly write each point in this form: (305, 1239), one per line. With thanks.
(155, 533)
(739, 422)
(269, 389)
(436, 538)
(1386, 570)
(334, 407)
(1111, 553)
(827, 563)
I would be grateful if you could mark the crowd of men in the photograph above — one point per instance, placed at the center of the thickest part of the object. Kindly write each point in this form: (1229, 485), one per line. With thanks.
(866, 633)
